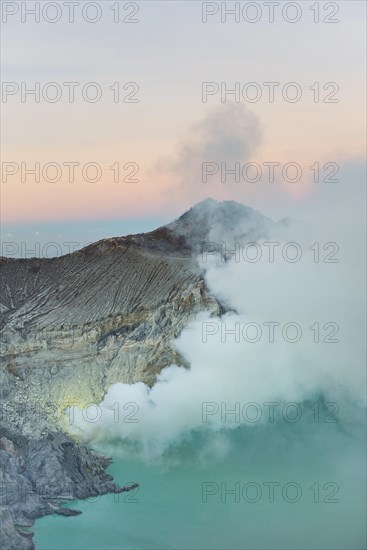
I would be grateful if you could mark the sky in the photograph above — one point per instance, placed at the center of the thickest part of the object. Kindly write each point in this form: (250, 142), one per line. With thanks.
(159, 131)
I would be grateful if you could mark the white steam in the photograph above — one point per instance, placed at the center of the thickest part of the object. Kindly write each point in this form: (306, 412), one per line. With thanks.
(227, 372)
(228, 134)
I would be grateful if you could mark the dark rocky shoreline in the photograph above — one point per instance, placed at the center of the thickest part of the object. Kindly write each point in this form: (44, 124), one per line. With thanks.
(38, 475)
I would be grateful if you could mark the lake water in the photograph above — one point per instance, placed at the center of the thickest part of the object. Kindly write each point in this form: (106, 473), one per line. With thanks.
(284, 486)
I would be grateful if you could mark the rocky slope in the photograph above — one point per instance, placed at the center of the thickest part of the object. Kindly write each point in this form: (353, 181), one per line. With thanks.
(72, 326)
(38, 474)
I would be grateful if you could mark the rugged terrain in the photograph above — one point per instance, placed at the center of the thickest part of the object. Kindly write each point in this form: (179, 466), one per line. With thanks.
(71, 326)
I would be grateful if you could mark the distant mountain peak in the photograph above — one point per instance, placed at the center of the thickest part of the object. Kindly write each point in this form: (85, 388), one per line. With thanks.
(212, 220)
(210, 206)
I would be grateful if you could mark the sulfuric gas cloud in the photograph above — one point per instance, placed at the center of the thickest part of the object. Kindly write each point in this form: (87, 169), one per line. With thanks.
(294, 331)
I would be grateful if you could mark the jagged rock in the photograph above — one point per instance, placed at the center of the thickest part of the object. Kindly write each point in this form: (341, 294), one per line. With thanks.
(39, 475)
(67, 512)
(7, 446)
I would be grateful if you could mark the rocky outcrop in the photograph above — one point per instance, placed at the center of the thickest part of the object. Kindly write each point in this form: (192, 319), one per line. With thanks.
(37, 475)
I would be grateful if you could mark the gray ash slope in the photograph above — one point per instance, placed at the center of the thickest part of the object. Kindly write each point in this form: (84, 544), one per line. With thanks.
(72, 326)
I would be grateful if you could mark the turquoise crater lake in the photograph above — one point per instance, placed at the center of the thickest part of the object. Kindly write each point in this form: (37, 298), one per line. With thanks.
(283, 486)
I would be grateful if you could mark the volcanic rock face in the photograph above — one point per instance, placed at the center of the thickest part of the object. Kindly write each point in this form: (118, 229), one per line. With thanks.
(37, 475)
(105, 314)
(72, 326)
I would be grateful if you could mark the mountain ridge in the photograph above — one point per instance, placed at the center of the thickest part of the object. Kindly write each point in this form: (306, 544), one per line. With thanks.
(209, 209)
